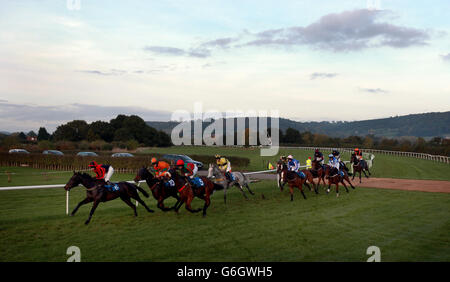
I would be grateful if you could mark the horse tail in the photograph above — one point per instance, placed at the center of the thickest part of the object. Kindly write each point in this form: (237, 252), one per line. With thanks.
(140, 189)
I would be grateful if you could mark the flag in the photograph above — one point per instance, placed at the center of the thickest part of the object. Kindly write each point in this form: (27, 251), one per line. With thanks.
(270, 166)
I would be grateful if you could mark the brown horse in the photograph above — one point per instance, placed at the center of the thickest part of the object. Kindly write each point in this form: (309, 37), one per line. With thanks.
(159, 194)
(336, 177)
(96, 192)
(318, 172)
(359, 166)
(293, 179)
(203, 192)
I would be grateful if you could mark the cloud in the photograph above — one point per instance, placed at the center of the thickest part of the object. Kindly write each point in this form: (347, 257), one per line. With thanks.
(25, 117)
(322, 75)
(374, 90)
(338, 32)
(220, 42)
(446, 57)
(346, 31)
(172, 51)
(111, 72)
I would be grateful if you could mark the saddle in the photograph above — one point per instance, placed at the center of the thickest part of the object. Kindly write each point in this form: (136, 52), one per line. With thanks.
(113, 187)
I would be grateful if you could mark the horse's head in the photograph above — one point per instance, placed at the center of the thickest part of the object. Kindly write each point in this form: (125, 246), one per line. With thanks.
(143, 174)
(353, 158)
(280, 165)
(74, 181)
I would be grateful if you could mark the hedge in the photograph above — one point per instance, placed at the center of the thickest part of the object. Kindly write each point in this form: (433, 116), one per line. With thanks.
(120, 164)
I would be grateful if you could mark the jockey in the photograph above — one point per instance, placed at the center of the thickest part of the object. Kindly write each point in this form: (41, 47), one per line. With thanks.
(161, 168)
(337, 155)
(334, 164)
(224, 166)
(359, 154)
(189, 170)
(293, 164)
(102, 171)
(318, 156)
(309, 163)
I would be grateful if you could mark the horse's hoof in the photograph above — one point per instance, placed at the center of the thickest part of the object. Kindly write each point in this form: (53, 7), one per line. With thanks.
(86, 222)
(71, 214)
(337, 194)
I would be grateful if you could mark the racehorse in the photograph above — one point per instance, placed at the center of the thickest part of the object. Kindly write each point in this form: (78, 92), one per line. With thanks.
(358, 166)
(318, 172)
(219, 178)
(203, 192)
(336, 179)
(159, 194)
(96, 192)
(293, 179)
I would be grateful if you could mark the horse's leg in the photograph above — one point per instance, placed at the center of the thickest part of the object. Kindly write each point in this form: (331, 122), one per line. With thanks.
(365, 174)
(94, 206)
(348, 180)
(207, 200)
(329, 186)
(291, 190)
(249, 190)
(301, 189)
(343, 183)
(242, 190)
(161, 206)
(128, 202)
(188, 204)
(135, 196)
(225, 188)
(85, 201)
(307, 185)
(353, 178)
(337, 189)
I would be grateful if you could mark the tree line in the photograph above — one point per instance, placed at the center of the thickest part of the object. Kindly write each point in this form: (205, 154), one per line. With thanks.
(122, 131)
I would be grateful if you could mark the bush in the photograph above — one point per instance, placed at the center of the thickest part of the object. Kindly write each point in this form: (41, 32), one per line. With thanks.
(45, 145)
(132, 145)
(97, 145)
(107, 147)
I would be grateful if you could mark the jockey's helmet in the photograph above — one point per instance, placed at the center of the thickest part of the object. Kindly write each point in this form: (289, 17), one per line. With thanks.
(317, 150)
(154, 161)
(356, 150)
(330, 155)
(290, 157)
(180, 162)
(93, 164)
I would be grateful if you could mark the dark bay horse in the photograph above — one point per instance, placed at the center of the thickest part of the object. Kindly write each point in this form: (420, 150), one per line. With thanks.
(97, 193)
(159, 192)
(294, 180)
(359, 166)
(336, 178)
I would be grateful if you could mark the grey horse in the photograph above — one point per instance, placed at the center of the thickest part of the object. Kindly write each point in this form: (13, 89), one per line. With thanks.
(219, 178)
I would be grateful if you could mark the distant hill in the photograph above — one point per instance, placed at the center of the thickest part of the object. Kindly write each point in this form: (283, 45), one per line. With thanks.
(417, 125)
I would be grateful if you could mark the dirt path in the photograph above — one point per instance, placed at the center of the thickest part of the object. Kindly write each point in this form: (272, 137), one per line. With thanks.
(386, 183)
(406, 184)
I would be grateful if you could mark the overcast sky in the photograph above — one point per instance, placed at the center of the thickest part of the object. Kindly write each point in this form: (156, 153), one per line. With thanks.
(337, 60)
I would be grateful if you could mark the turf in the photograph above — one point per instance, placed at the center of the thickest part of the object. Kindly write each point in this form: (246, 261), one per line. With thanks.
(405, 225)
